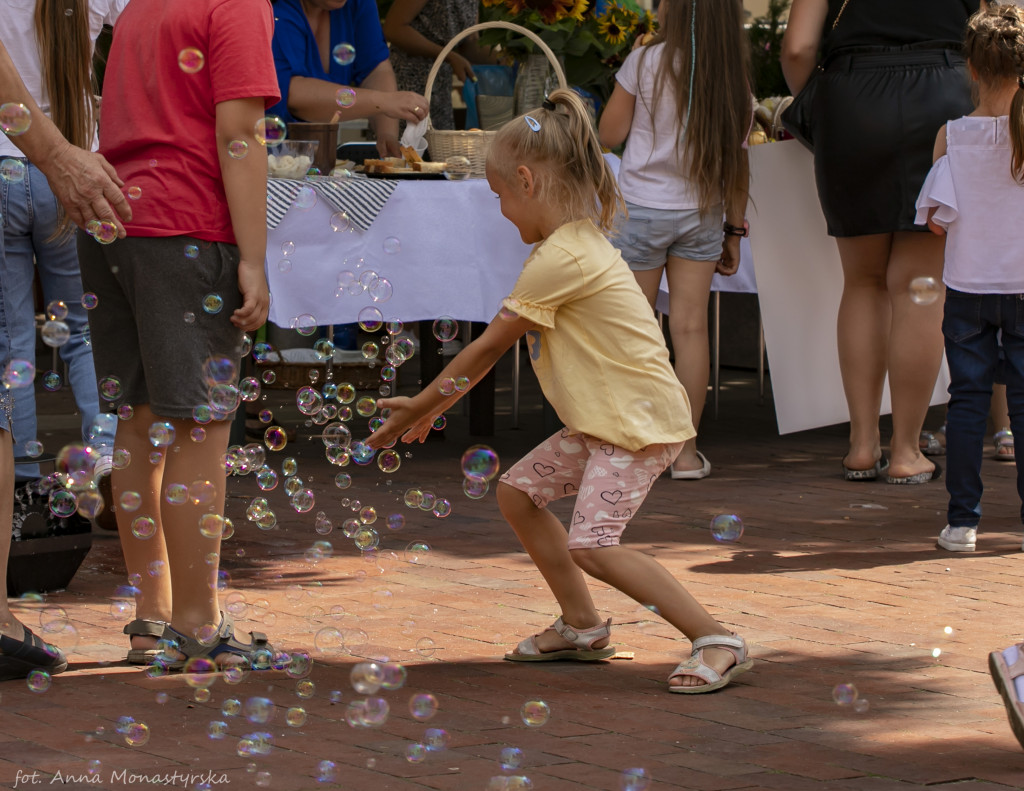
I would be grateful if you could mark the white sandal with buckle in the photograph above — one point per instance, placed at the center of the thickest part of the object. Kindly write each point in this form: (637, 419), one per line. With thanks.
(582, 639)
(694, 666)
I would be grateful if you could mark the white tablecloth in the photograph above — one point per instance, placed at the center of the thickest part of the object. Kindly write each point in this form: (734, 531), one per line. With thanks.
(458, 257)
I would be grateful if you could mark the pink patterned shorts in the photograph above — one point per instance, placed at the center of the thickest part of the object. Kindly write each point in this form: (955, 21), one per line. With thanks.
(609, 482)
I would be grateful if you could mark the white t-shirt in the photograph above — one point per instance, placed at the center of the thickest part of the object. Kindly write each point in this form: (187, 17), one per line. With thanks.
(18, 34)
(651, 174)
(980, 206)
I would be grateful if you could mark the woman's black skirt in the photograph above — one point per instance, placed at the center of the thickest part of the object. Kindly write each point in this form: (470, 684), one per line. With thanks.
(877, 112)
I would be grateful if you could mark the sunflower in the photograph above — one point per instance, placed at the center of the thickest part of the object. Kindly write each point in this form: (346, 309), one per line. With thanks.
(615, 24)
(492, 3)
(579, 9)
(550, 11)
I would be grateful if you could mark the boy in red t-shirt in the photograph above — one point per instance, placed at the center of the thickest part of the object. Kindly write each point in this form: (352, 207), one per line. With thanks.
(186, 86)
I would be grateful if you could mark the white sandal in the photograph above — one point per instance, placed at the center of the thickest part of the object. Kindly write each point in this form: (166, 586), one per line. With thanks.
(582, 639)
(694, 666)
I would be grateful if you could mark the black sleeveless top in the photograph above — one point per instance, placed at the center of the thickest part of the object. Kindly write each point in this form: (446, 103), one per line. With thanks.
(895, 23)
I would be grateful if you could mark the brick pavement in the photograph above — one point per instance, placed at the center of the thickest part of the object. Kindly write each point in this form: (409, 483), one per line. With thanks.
(831, 583)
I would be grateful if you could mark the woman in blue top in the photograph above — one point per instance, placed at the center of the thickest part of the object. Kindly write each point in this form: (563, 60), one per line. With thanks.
(318, 76)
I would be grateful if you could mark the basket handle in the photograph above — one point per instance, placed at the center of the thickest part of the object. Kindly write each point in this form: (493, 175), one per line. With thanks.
(439, 61)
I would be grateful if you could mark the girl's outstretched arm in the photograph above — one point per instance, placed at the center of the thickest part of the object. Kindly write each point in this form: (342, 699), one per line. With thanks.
(411, 418)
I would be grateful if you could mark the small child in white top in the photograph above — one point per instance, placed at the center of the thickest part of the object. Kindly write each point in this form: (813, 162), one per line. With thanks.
(974, 195)
(601, 361)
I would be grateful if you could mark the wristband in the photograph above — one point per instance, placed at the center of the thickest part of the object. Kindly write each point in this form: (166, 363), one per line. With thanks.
(737, 230)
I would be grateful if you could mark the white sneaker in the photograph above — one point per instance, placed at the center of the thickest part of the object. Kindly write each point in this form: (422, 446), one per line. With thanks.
(958, 539)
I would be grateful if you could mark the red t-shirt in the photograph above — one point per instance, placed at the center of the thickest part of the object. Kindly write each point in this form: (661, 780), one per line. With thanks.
(158, 121)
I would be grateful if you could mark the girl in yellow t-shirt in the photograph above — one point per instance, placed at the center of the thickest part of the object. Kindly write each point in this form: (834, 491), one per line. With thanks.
(602, 363)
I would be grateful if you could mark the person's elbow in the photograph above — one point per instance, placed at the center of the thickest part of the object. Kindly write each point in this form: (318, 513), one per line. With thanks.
(612, 131)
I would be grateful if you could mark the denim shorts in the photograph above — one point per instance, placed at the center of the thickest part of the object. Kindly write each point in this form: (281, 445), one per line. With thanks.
(649, 236)
(152, 327)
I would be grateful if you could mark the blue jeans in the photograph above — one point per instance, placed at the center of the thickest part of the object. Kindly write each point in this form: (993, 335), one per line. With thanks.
(30, 217)
(6, 399)
(971, 326)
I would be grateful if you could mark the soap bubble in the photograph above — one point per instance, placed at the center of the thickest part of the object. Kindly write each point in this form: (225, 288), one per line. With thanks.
(191, 251)
(270, 131)
(237, 149)
(190, 60)
(15, 118)
(726, 528)
(340, 221)
(344, 54)
(345, 97)
(635, 779)
(389, 461)
(12, 171)
(161, 434)
(422, 706)
(457, 168)
(445, 328)
(480, 461)
(380, 290)
(392, 245)
(535, 713)
(510, 758)
(104, 232)
(33, 449)
(924, 290)
(475, 487)
(135, 192)
(213, 304)
(416, 753)
(52, 381)
(90, 300)
(370, 319)
(844, 694)
(425, 647)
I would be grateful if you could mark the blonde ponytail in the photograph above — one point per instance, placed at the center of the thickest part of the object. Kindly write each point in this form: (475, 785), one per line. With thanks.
(558, 142)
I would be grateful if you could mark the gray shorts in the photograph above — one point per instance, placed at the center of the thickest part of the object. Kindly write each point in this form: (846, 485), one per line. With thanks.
(649, 236)
(149, 328)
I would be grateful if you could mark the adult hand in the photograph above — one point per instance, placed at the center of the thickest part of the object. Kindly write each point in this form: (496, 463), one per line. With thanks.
(404, 106)
(252, 285)
(461, 67)
(730, 260)
(87, 186)
(388, 144)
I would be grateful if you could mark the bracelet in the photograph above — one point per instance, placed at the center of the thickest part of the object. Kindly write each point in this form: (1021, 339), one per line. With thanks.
(737, 230)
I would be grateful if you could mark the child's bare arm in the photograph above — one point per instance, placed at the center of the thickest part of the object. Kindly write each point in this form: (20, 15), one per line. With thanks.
(617, 118)
(411, 418)
(245, 184)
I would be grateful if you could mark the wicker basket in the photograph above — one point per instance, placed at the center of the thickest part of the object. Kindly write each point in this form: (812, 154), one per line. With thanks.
(473, 145)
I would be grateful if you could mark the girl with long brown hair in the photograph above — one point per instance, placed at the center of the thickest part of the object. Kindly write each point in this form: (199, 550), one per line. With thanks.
(51, 43)
(682, 105)
(602, 363)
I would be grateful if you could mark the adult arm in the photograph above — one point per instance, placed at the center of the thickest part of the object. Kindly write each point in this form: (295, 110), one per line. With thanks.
(245, 185)
(617, 118)
(316, 100)
(735, 213)
(398, 30)
(412, 418)
(801, 41)
(86, 185)
(384, 123)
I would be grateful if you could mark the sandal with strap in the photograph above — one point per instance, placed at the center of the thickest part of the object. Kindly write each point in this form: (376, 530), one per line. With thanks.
(694, 666)
(582, 639)
(257, 654)
(142, 627)
(1005, 674)
(18, 658)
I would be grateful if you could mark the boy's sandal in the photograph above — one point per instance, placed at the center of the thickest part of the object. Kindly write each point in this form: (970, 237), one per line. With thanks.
(1004, 675)
(1004, 445)
(694, 666)
(141, 627)
(18, 658)
(582, 639)
(257, 653)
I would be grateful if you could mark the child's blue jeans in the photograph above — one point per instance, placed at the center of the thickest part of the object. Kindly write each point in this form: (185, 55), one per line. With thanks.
(971, 326)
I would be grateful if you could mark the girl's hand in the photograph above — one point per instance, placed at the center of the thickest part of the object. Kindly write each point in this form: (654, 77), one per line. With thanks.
(934, 227)
(405, 421)
(730, 260)
(252, 284)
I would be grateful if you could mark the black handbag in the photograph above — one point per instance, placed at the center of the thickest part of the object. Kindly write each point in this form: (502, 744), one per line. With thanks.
(798, 117)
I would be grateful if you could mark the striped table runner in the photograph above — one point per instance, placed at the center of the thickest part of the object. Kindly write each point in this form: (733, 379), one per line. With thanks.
(360, 198)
